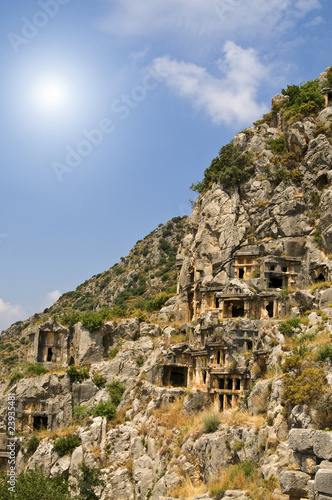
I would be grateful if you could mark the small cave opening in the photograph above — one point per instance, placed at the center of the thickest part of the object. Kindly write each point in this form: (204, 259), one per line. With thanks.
(269, 309)
(275, 282)
(178, 377)
(49, 354)
(229, 384)
(319, 278)
(40, 422)
(237, 310)
(241, 273)
(221, 383)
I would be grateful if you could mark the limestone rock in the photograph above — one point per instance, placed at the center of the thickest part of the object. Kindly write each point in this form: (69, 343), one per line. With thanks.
(323, 481)
(323, 445)
(294, 483)
(301, 440)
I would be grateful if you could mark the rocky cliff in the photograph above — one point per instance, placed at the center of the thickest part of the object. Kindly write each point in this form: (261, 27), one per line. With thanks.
(226, 391)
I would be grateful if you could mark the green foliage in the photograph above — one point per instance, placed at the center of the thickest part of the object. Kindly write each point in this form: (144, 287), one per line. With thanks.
(267, 118)
(304, 100)
(318, 238)
(230, 168)
(32, 445)
(324, 352)
(237, 445)
(211, 422)
(77, 375)
(10, 360)
(278, 145)
(288, 327)
(105, 409)
(67, 444)
(70, 319)
(156, 302)
(35, 485)
(99, 380)
(116, 390)
(248, 467)
(88, 480)
(15, 377)
(93, 320)
(112, 352)
(139, 361)
(303, 381)
(80, 412)
(36, 369)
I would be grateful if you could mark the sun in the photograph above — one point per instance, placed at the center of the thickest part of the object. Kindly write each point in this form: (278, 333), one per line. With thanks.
(50, 94)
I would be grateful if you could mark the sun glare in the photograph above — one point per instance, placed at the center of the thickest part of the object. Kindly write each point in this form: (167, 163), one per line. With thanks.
(50, 95)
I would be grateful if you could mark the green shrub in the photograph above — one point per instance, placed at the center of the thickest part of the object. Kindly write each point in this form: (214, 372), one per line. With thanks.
(156, 302)
(304, 100)
(99, 380)
(230, 168)
(304, 384)
(237, 445)
(112, 352)
(10, 360)
(32, 445)
(15, 377)
(67, 444)
(88, 480)
(211, 422)
(80, 412)
(77, 375)
(278, 145)
(324, 352)
(35, 485)
(105, 409)
(139, 361)
(70, 319)
(92, 320)
(288, 327)
(248, 467)
(116, 390)
(36, 369)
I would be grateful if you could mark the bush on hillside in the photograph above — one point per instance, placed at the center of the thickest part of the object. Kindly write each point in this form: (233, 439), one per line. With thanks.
(230, 168)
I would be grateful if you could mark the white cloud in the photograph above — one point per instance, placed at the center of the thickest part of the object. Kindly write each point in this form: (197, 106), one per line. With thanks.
(316, 21)
(230, 98)
(10, 314)
(51, 297)
(218, 20)
(305, 6)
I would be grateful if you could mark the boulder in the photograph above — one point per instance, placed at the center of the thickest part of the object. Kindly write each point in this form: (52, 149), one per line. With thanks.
(128, 329)
(325, 298)
(301, 440)
(323, 481)
(322, 444)
(294, 483)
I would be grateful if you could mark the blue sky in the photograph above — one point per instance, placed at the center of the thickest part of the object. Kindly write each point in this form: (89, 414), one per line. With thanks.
(110, 110)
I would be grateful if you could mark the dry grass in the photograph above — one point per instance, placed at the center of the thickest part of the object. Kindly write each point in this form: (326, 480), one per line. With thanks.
(322, 338)
(66, 431)
(236, 477)
(187, 490)
(240, 419)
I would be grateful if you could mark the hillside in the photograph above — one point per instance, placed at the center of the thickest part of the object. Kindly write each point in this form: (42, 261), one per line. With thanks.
(200, 366)
(144, 280)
